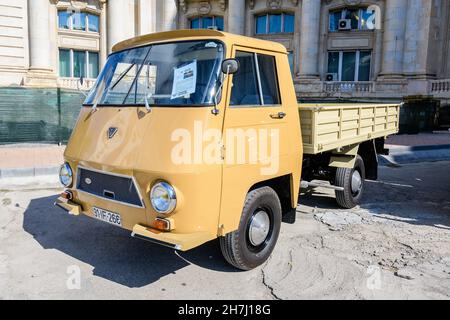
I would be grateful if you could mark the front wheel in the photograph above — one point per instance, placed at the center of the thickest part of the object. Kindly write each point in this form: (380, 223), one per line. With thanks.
(352, 180)
(259, 227)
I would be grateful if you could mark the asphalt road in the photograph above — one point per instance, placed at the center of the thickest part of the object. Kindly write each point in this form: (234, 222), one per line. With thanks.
(395, 246)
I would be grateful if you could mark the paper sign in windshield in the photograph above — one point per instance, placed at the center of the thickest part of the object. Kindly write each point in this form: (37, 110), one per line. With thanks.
(184, 80)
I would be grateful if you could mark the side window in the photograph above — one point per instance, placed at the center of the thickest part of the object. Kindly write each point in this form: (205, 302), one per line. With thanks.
(245, 82)
(255, 83)
(269, 83)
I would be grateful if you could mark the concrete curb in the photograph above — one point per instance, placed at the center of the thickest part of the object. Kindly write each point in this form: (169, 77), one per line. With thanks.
(419, 148)
(30, 183)
(398, 155)
(402, 155)
(28, 172)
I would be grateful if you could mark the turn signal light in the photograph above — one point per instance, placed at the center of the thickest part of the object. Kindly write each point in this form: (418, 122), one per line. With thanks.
(67, 195)
(162, 224)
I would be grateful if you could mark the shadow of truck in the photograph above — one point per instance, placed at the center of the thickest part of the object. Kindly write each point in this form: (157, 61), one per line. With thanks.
(110, 250)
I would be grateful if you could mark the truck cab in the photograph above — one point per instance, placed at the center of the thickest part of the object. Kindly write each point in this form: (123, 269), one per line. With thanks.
(189, 136)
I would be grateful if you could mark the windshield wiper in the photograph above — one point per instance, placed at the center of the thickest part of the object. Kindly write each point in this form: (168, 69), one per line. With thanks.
(99, 96)
(137, 75)
(121, 76)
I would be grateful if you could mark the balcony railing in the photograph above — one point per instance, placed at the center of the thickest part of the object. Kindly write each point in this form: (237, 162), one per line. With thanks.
(348, 87)
(439, 86)
(73, 83)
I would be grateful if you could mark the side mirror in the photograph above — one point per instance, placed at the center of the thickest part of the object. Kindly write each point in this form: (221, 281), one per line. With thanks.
(230, 66)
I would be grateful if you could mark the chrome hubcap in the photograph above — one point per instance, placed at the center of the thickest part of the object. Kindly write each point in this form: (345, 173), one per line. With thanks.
(259, 228)
(356, 181)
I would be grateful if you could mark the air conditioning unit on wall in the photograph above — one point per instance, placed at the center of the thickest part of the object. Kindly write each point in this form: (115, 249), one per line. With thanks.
(345, 24)
(329, 77)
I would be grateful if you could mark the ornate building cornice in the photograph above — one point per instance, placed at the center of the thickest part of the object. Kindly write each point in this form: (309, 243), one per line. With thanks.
(183, 5)
(273, 4)
(204, 7)
(352, 2)
(223, 4)
(55, 2)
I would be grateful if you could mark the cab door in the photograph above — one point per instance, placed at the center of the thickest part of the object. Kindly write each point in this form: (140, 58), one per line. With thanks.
(255, 127)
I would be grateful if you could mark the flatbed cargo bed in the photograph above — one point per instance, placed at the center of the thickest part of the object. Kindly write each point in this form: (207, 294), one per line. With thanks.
(326, 127)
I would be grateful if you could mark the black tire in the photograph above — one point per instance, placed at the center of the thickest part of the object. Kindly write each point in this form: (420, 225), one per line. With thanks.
(237, 248)
(348, 198)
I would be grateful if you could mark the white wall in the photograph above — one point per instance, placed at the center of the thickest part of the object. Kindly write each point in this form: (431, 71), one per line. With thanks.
(13, 41)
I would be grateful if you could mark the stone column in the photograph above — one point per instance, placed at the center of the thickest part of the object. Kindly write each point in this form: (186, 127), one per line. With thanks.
(145, 19)
(446, 71)
(378, 55)
(309, 42)
(417, 37)
(53, 22)
(39, 33)
(103, 33)
(394, 38)
(120, 21)
(41, 72)
(236, 17)
(170, 15)
(153, 15)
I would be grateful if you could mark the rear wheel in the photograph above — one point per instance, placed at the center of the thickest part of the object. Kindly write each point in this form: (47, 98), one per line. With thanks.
(352, 180)
(259, 227)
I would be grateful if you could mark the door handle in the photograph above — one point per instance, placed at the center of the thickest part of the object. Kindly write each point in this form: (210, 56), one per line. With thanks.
(279, 115)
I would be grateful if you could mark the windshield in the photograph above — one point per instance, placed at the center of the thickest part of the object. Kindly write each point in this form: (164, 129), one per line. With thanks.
(179, 73)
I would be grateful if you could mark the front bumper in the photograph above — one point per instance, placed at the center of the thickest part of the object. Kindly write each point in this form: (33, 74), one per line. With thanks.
(69, 206)
(177, 241)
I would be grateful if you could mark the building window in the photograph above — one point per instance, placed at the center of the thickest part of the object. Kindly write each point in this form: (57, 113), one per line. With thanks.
(94, 63)
(358, 19)
(64, 63)
(76, 64)
(63, 20)
(93, 22)
(207, 22)
(79, 21)
(275, 23)
(350, 65)
(79, 64)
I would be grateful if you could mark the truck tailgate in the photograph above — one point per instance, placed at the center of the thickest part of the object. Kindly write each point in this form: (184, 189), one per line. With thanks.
(329, 126)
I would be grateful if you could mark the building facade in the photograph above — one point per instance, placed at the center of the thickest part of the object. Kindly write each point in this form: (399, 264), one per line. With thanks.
(359, 50)
(51, 43)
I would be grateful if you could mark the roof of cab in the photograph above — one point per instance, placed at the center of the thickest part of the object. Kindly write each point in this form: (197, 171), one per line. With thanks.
(199, 33)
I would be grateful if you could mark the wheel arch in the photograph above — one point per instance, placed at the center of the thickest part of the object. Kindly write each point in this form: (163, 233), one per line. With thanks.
(368, 152)
(284, 188)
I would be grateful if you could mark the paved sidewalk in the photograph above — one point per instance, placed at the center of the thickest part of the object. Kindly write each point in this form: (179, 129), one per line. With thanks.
(437, 138)
(417, 148)
(25, 160)
(30, 160)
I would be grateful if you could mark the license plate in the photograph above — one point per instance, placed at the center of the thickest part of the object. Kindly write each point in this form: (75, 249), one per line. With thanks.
(107, 216)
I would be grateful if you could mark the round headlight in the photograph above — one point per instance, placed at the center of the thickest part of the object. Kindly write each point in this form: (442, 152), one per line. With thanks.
(65, 175)
(163, 197)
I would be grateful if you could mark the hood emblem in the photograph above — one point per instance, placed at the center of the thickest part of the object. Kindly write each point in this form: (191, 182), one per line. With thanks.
(88, 181)
(112, 132)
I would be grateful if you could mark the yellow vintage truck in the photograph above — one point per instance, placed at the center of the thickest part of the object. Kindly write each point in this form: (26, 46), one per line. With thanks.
(192, 135)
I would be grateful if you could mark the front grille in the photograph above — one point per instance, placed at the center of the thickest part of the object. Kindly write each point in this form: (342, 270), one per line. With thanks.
(109, 186)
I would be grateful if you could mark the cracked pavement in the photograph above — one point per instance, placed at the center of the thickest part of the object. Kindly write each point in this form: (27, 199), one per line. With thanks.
(394, 246)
